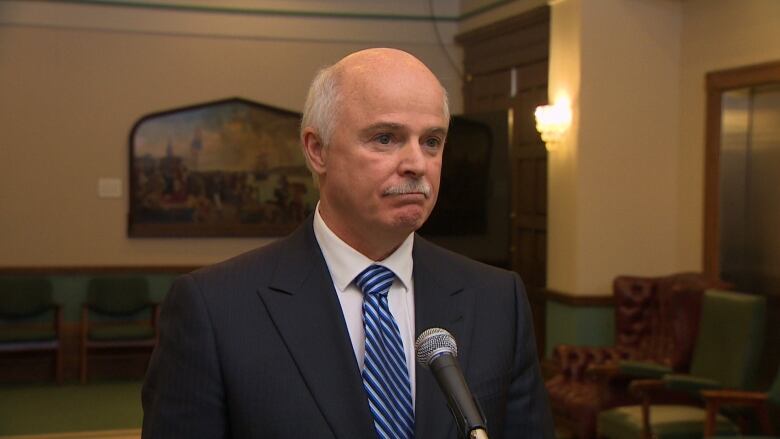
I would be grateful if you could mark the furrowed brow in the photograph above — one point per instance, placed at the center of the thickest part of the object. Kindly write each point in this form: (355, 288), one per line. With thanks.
(382, 126)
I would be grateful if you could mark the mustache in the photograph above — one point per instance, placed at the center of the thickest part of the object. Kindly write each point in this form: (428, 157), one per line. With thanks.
(409, 187)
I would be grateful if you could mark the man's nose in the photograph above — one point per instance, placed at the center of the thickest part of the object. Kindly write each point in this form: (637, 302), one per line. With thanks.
(412, 159)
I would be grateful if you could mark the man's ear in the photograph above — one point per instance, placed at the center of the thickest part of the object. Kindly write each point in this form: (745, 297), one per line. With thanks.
(315, 150)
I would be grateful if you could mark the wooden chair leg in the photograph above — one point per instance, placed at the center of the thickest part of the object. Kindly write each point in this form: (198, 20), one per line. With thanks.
(647, 429)
(83, 345)
(712, 415)
(83, 364)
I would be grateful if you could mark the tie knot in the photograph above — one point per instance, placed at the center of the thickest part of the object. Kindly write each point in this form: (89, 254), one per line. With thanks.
(375, 279)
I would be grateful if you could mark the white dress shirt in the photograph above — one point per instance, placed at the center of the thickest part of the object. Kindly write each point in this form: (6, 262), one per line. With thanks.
(345, 263)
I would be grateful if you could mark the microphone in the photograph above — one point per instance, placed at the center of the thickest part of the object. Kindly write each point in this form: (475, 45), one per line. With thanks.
(436, 350)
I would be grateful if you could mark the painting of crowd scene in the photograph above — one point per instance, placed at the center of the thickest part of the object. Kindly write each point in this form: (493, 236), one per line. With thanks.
(227, 168)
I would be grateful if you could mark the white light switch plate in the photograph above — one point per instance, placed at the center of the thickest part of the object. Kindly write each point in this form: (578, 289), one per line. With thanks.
(109, 188)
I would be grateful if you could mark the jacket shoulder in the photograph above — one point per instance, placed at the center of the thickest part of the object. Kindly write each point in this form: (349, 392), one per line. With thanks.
(467, 270)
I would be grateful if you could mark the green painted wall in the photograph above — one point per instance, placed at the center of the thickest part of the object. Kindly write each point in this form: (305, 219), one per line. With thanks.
(579, 325)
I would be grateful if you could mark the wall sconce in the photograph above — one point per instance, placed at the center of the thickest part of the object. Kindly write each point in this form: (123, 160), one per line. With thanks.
(552, 121)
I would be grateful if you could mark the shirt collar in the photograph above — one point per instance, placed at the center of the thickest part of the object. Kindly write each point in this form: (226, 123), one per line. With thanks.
(345, 263)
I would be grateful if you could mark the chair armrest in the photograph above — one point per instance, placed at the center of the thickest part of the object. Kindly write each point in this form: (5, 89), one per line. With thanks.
(641, 369)
(715, 398)
(603, 372)
(689, 383)
(727, 396)
(645, 388)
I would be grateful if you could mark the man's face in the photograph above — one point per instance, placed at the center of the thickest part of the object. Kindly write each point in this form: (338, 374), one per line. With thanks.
(383, 163)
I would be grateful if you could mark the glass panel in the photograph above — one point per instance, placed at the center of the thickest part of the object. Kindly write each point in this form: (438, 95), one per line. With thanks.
(749, 179)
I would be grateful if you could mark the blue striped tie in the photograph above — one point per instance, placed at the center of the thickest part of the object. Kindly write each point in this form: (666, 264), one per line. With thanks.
(385, 374)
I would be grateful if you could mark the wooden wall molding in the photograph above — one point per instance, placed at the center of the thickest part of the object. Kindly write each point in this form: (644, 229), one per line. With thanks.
(577, 300)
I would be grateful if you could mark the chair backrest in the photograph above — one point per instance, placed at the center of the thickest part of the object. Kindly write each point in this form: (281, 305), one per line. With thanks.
(118, 295)
(636, 308)
(731, 334)
(658, 317)
(24, 297)
(680, 297)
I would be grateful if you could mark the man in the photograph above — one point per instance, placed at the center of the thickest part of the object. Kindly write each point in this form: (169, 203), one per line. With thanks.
(282, 343)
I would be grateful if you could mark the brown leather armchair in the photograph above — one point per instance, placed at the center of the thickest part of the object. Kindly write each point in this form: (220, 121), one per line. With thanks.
(656, 320)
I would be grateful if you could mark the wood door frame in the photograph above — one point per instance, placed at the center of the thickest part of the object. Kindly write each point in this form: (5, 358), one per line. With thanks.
(717, 83)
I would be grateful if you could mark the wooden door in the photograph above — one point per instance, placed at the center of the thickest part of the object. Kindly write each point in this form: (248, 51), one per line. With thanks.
(506, 66)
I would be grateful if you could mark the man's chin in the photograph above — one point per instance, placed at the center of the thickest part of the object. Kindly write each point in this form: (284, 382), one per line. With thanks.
(410, 219)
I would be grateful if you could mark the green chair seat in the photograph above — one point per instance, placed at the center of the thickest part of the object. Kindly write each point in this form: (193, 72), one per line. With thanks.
(22, 335)
(669, 422)
(124, 332)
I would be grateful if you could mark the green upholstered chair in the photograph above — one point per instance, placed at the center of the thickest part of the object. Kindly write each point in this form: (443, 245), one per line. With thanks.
(117, 318)
(30, 322)
(726, 355)
(765, 404)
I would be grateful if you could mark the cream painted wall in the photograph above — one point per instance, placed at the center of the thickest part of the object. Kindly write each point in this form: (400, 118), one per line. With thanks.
(613, 182)
(626, 186)
(716, 36)
(74, 78)
(562, 184)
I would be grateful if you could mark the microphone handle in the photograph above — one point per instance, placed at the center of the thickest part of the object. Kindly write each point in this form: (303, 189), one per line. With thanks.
(462, 403)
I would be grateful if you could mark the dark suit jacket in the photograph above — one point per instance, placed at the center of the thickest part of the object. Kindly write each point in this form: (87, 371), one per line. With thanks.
(257, 347)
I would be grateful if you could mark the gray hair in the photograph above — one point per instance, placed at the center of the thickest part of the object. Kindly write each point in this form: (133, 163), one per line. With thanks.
(319, 111)
(321, 102)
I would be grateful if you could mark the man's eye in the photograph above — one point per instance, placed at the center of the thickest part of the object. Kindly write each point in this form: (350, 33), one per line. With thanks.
(384, 139)
(433, 142)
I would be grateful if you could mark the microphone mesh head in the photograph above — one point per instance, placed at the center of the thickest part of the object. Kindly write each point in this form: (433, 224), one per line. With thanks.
(432, 343)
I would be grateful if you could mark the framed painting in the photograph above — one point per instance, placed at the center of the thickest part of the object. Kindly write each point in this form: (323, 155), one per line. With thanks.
(230, 168)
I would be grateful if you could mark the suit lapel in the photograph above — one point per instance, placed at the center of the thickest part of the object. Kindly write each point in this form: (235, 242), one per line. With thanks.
(440, 301)
(303, 305)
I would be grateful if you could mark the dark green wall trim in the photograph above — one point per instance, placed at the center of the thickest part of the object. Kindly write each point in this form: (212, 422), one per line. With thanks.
(286, 13)
(252, 11)
(91, 269)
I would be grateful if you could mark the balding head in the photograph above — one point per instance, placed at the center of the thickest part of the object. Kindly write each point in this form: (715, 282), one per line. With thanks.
(365, 71)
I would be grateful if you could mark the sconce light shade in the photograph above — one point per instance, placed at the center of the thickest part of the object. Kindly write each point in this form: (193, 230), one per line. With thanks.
(552, 121)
